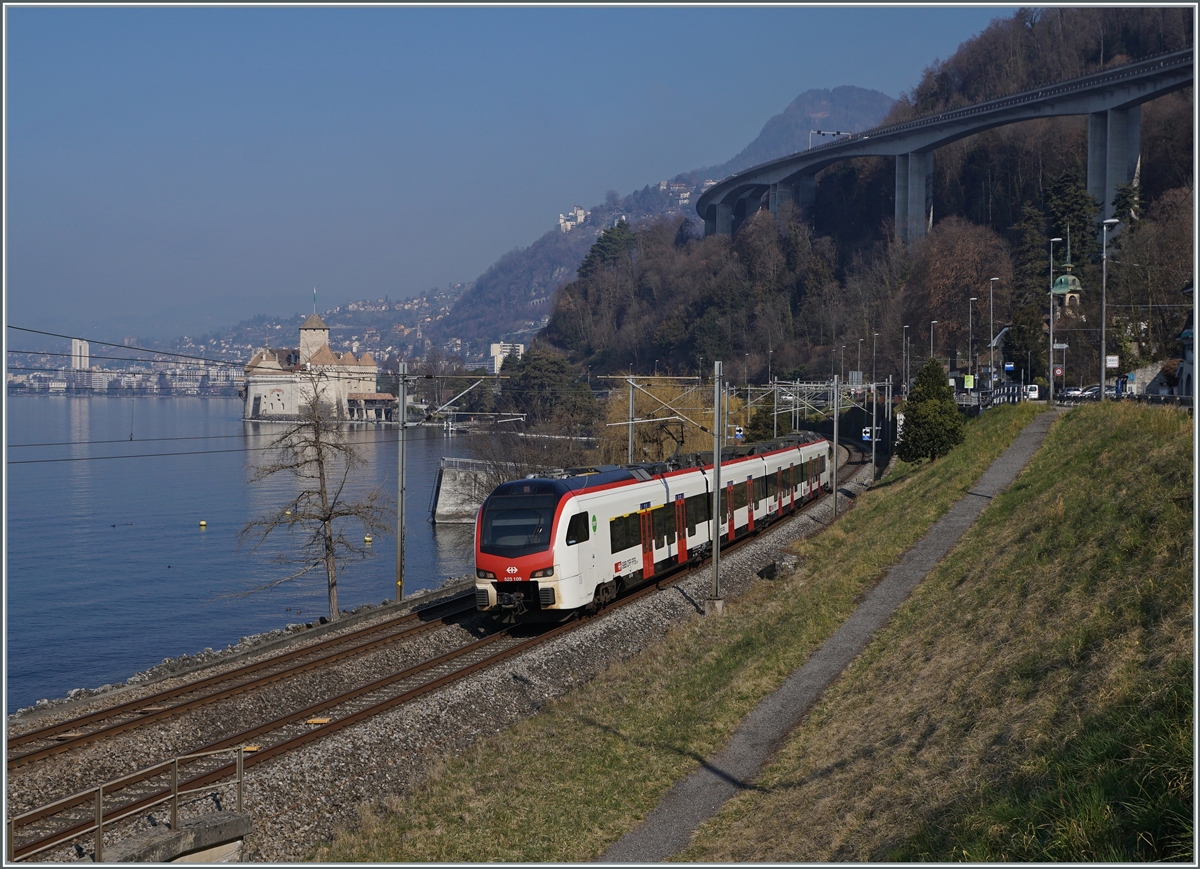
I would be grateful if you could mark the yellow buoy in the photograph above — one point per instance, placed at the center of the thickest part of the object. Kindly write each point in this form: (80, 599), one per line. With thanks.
(367, 540)
(203, 524)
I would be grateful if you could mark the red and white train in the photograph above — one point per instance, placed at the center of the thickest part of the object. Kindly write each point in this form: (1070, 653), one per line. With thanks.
(561, 544)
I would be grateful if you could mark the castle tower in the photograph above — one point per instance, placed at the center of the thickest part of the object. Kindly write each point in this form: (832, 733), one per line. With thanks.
(314, 335)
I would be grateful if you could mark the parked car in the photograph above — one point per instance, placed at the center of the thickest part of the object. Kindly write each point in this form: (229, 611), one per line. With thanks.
(1072, 392)
(1091, 392)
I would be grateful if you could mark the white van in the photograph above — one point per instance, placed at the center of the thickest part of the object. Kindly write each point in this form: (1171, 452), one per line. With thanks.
(1031, 392)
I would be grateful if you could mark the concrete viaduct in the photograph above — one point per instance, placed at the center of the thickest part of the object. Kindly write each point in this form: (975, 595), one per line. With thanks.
(1111, 99)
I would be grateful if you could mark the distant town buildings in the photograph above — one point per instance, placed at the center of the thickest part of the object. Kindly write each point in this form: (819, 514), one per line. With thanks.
(278, 381)
(678, 193)
(497, 353)
(572, 219)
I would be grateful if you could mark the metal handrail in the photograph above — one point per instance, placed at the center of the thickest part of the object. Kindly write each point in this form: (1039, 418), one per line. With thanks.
(96, 795)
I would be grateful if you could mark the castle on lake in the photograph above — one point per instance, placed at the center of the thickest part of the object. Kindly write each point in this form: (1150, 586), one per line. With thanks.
(279, 380)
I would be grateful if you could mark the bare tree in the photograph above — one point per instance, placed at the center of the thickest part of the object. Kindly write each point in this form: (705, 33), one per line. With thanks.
(315, 451)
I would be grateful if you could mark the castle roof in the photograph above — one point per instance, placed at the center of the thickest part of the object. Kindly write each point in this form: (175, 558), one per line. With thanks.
(314, 322)
(323, 356)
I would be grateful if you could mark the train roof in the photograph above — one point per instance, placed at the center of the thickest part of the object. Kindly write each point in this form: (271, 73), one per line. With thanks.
(576, 479)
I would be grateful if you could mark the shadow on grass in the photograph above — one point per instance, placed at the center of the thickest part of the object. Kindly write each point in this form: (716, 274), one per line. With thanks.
(674, 749)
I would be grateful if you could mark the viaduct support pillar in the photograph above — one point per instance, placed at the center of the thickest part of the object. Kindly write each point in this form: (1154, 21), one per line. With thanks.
(806, 196)
(1114, 143)
(780, 193)
(920, 179)
(724, 218)
(901, 208)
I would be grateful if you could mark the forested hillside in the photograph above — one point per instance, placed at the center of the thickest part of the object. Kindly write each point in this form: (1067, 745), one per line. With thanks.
(511, 300)
(813, 298)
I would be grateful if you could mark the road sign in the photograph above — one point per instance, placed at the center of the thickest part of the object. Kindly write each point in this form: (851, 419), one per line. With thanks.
(1058, 371)
(1061, 347)
(738, 433)
(1111, 361)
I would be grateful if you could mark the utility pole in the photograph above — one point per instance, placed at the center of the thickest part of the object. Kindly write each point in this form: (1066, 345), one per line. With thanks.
(874, 427)
(402, 416)
(630, 460)
(714, 605)
(837, 406)
(992, 334)
(1050, 370)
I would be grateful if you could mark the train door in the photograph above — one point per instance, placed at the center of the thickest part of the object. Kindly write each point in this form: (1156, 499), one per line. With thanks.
(751, 504)
(812, 478)
(779, 491)
(681, 529)
(729, 508)
(647, 527)
(792, 486)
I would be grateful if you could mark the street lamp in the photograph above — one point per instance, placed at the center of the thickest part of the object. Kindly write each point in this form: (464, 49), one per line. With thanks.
(1108, 224)
(992, 333)
(932, 323)
(1050, 370)
(874, 337)
(904, 355)
(843, 363)
(860, 340)
(769, 352)
(971, 333)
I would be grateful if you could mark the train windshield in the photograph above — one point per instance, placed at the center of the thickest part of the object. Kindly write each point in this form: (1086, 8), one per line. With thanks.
(515, 525)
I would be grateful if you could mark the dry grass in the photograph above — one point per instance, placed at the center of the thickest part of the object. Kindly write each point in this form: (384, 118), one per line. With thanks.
(566, 784)
(1032, 700)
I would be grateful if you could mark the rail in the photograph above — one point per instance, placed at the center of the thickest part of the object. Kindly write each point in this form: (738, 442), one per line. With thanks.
(100, 818)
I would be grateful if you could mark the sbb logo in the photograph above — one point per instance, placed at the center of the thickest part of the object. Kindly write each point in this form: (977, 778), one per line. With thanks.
(511, 570)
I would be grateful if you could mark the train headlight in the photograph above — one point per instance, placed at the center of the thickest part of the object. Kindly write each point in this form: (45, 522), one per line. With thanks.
(484, 574)
(542, 574)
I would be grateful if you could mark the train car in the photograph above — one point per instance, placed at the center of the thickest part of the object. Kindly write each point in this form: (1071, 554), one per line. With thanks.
(564, 543)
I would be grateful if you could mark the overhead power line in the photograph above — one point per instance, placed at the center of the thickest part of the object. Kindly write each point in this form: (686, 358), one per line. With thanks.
(125, 346)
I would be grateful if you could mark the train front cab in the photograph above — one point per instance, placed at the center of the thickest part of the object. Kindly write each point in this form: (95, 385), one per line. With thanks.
(535, 548)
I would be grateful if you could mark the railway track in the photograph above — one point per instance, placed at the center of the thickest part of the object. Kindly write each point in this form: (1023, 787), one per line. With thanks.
(66, 735)
(64, 821)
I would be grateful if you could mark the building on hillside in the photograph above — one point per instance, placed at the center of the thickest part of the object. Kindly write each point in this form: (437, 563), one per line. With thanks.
(279, 380)
(497, 353)
(572, 219)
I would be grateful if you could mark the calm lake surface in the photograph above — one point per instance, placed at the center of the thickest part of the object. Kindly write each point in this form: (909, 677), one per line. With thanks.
(107, 571)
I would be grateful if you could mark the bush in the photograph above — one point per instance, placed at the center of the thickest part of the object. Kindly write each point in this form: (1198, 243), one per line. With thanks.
(932, 423)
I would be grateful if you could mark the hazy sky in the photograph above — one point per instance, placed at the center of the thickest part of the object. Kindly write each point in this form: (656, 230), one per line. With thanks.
(170, 170)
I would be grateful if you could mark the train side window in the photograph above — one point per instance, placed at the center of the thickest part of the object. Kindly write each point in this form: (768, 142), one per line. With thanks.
(772, 484)
(577, 529)
(699, 511)
(624, 532)
(739, 496)
(664, 526)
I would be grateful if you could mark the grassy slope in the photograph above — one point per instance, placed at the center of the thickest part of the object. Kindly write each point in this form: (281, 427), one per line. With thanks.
(564, 785)
(1033, 699)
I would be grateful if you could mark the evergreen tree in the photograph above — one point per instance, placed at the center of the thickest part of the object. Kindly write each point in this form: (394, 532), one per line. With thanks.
(1073, 209)
(612, 247)
(932, 424)
(1031, 257)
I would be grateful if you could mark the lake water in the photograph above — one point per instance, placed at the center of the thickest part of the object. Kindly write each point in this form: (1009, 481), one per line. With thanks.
(107, 571)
